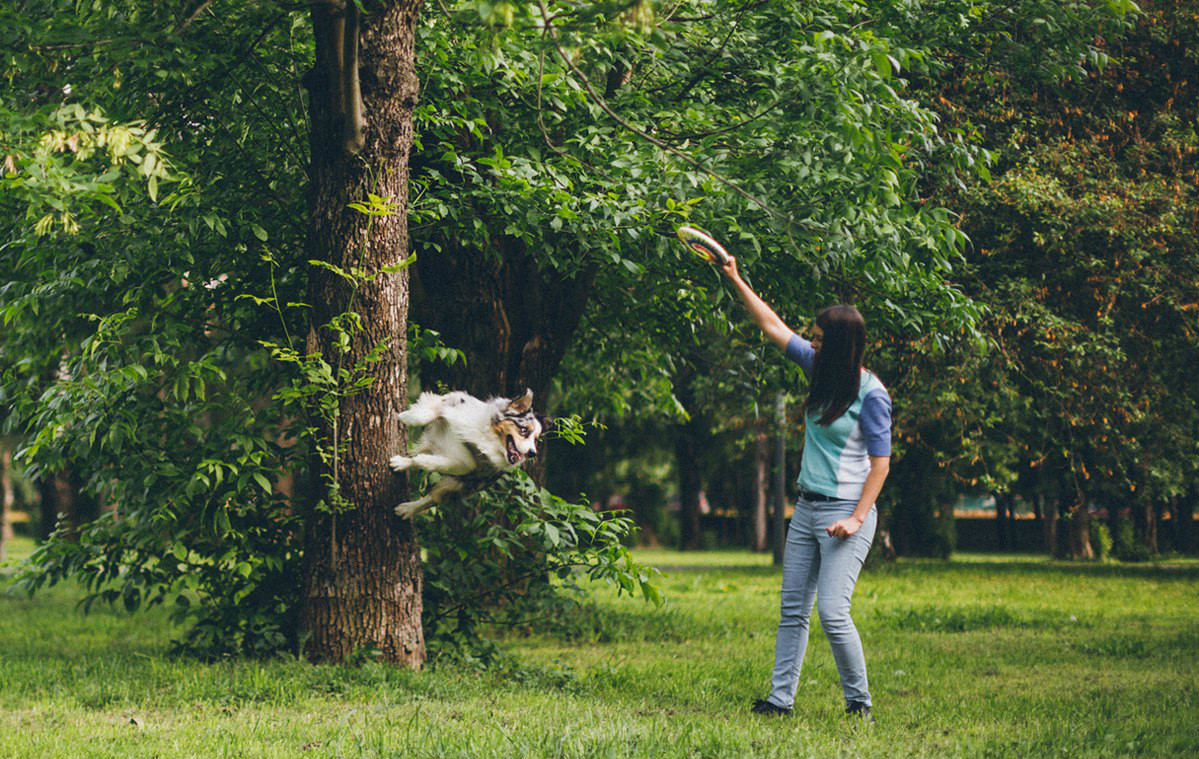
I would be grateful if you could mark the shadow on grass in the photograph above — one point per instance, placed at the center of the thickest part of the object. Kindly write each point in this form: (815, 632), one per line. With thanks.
(1024, 566)
(994, 564)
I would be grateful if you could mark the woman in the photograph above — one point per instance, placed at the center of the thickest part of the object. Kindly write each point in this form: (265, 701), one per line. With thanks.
(847, 454)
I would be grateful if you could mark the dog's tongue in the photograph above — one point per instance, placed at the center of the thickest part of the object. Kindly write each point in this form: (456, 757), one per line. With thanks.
(513, 454)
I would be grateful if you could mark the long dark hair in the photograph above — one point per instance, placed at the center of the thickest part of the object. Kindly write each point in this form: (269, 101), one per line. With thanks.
(837, 372)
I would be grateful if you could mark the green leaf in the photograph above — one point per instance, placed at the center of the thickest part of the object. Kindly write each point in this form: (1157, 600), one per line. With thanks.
(264, 482)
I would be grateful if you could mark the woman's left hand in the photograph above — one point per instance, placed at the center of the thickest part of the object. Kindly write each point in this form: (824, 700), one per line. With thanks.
(844, 528)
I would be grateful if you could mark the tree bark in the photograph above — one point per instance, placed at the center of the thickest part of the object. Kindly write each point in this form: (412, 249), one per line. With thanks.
(514, 319)
(362, 572)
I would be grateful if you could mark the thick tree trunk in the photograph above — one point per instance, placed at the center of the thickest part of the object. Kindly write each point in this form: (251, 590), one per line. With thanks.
(761, 488)
(512, 318)
(362, 571)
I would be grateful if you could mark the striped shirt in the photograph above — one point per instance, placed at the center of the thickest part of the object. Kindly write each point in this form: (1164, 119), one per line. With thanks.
(836, 456)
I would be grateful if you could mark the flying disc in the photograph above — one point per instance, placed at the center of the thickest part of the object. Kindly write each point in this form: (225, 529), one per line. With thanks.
(702, 244)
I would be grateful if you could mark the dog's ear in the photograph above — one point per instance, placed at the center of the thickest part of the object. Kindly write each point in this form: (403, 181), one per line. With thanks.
(522, 404)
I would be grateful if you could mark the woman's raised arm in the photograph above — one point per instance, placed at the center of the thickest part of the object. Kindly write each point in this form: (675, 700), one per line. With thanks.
(765, 317)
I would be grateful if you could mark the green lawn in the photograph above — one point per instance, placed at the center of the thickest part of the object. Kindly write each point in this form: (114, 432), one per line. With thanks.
(983, 656)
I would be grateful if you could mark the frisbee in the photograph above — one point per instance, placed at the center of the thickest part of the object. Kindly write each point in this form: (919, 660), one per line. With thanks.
(702, 244)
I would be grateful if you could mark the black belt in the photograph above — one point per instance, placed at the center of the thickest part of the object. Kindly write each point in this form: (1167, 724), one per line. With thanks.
(808, 495)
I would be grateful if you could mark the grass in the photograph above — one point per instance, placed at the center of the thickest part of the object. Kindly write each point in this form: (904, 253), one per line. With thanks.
(990, 656)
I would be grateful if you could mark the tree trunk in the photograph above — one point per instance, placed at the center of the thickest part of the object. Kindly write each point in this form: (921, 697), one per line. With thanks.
(690, 484)
(1145, 524)
(1049, 525)
(1187, 542)
(1080, 534)
(362, 571)
(63, 504)
(689, 438)
(779, 517)
(6, 501)
(1003, 507)
(513, 319)
(761, 479)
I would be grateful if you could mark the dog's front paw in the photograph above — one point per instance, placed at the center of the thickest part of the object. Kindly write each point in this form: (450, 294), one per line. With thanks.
(399, 463)
(407, 510)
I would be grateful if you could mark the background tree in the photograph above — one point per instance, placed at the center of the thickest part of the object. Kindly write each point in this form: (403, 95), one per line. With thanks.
(242, 463)
(1081, 255)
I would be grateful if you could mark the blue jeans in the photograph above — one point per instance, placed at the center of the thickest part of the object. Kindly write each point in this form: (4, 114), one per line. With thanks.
(824, 569)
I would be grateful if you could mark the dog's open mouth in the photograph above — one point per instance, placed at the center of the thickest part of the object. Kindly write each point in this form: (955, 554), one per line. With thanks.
(514, 455)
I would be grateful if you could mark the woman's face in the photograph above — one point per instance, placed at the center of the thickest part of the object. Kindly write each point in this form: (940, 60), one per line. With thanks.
(817, 338)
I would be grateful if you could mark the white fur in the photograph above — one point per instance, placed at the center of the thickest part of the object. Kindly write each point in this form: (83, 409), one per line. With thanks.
(455, 424)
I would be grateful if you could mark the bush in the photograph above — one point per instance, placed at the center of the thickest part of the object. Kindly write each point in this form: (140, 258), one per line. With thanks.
(1125, 546)
(512, 555)
(1101, 540)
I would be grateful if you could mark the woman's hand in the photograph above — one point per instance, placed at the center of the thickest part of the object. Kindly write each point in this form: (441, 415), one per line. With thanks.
(844, 528)
(729, 269)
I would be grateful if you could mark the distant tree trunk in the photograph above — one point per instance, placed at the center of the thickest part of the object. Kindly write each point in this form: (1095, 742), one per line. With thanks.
(779, 517)
(761, 480)
(1049, 525)
(1185, 510)
(689, 440)
(6, 501)
(1145, 525)
(362, 572)
(690, 484)
(62, 504)
(1003, 508)
(1080, 533)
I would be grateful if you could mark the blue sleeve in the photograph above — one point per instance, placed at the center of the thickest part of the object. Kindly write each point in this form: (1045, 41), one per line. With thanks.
(801, 352)
(875, 420)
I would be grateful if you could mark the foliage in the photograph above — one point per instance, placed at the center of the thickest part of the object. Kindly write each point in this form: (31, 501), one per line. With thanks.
(505, 556)
(1084, 257)
(150, 339)
(587, 143)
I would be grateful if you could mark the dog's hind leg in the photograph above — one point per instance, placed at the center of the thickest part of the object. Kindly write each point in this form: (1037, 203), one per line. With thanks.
(446, 487)
(425, 410)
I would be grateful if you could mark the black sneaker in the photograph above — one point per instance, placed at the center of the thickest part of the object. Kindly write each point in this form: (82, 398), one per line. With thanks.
(762, 706)
(859, 710)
